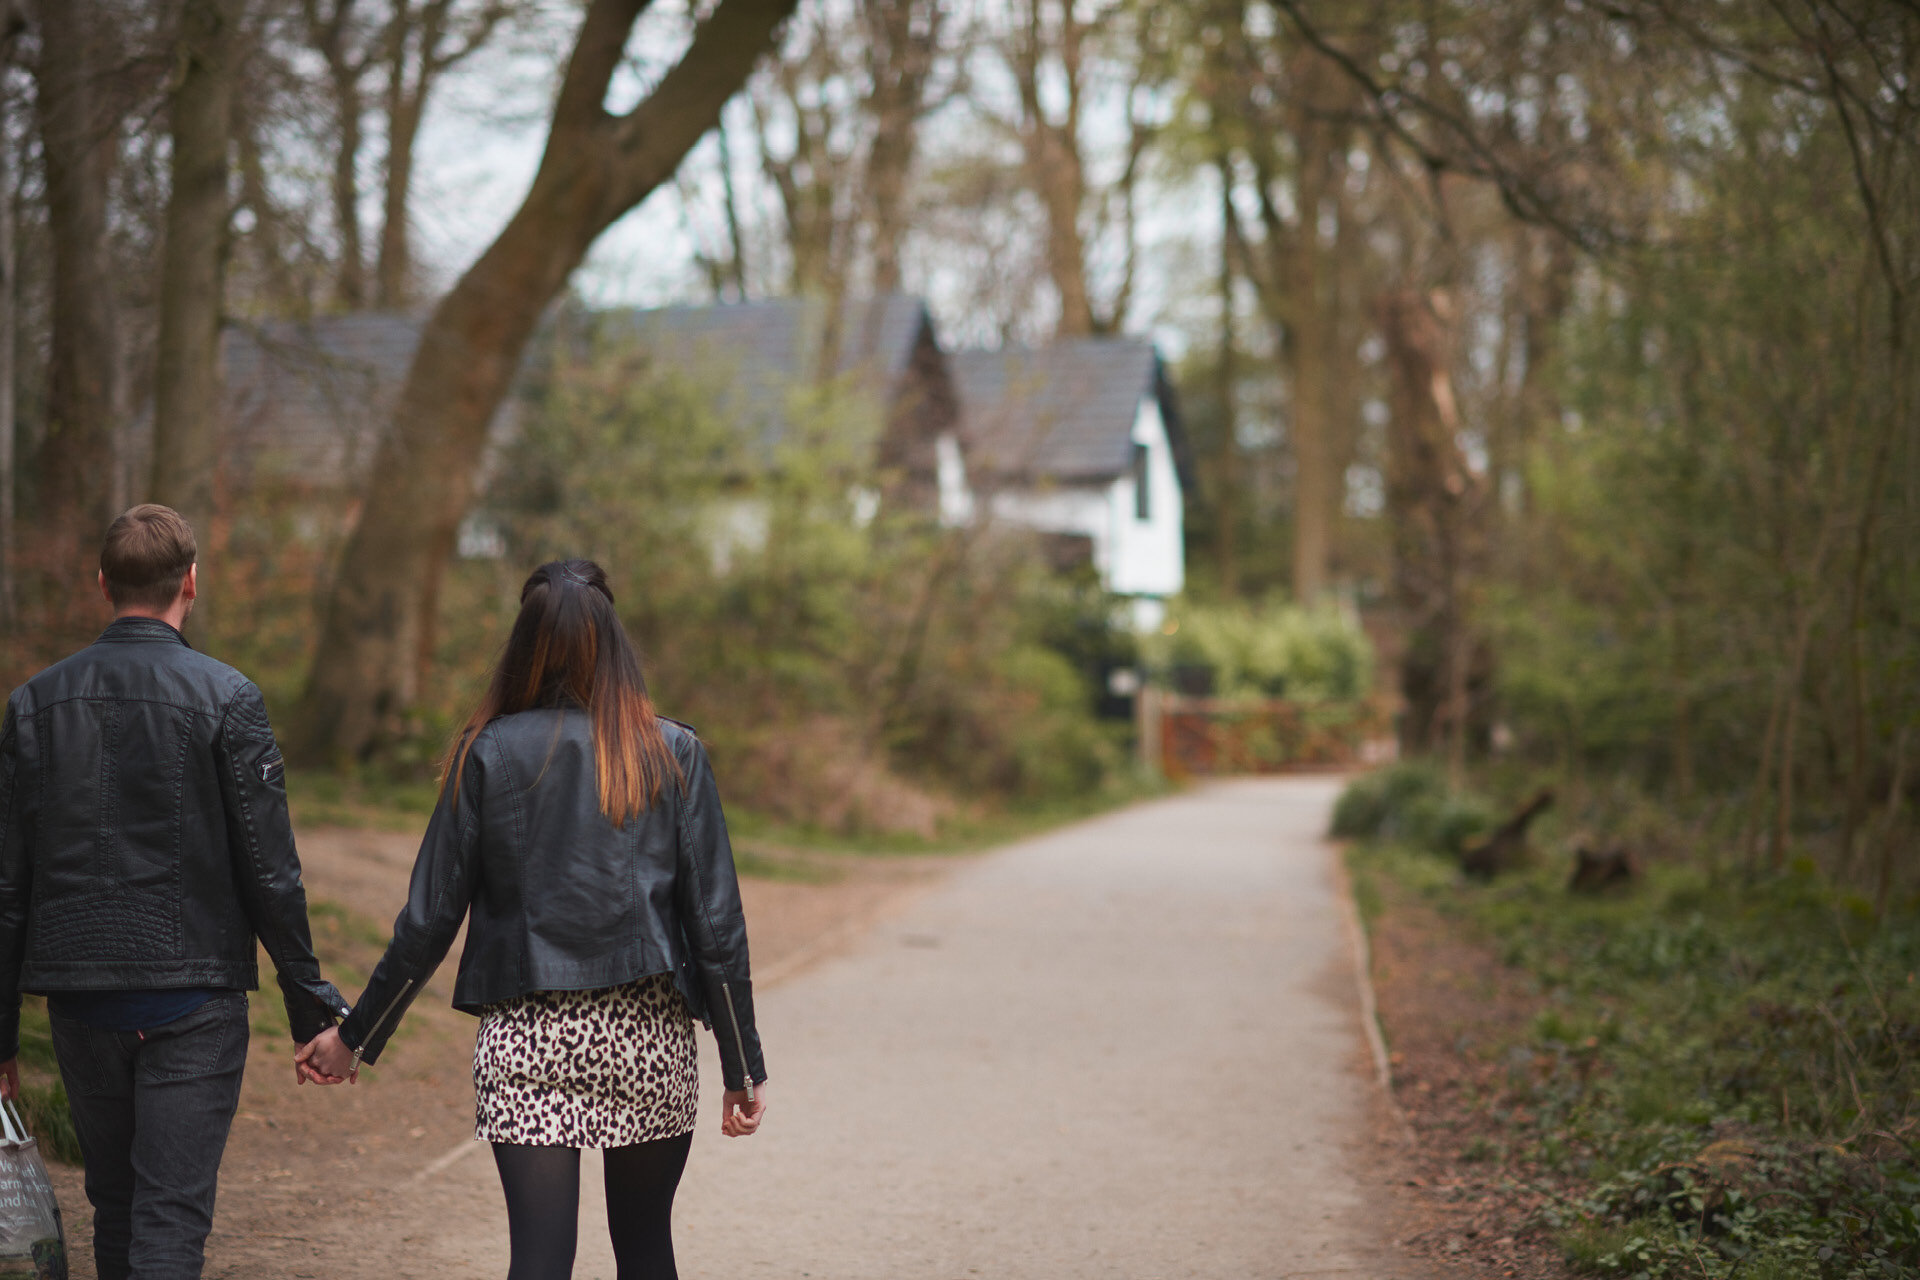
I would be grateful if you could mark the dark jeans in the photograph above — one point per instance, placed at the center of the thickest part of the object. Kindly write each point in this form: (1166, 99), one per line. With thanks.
(152, 1109)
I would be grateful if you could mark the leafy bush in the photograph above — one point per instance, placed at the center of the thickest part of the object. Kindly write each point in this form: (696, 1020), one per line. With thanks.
(1270, 651)
(1444, 823)
(1410, 802)
(1375, 804)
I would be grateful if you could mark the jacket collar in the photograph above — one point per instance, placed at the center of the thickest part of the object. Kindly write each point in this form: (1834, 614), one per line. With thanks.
(133, 629)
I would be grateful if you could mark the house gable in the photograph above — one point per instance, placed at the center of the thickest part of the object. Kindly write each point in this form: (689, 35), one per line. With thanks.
(1082, 439)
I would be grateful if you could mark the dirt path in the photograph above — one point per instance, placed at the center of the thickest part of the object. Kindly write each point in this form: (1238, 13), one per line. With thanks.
(1126, 1049)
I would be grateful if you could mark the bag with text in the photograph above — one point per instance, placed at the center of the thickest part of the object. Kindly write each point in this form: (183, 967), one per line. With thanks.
(32, 1242)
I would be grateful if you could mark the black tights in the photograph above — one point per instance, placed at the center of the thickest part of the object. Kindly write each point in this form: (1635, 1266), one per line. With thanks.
(543, 1207)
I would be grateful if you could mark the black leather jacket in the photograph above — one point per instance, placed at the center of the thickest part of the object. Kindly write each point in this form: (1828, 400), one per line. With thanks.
(144, 840)
(563, 900)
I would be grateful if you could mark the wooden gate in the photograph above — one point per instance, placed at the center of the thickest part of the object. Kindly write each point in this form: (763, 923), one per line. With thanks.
(1185, 736)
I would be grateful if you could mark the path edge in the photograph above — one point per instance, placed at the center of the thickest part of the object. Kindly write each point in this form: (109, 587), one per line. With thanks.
(1361, 951)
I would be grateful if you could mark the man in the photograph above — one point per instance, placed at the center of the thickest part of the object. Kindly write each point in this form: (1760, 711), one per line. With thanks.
(144, 845)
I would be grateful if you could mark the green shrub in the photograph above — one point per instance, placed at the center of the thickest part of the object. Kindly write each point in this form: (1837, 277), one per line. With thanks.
(1271, 651)
(1375, 805)
(1442, 823)
(1409, 802)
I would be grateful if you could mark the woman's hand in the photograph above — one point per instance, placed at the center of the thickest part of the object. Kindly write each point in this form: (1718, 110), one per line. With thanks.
(325, 1059)
(738, 1117)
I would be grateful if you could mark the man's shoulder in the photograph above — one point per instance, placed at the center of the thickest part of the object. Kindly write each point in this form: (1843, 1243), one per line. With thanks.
(178, 674)
(229, 679)
(218, 682)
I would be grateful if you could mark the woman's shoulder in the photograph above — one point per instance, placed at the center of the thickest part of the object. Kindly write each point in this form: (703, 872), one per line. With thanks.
(681, 738)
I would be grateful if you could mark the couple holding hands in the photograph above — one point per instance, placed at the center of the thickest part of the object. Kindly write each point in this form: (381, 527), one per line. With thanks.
(145, 845)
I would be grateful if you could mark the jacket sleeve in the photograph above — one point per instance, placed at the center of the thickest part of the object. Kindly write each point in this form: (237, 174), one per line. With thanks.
(437, 901)
(707, 896)
(16, 870)
(254, 787)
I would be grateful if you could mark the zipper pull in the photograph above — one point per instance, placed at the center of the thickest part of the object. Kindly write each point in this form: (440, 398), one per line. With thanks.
(746, 1074)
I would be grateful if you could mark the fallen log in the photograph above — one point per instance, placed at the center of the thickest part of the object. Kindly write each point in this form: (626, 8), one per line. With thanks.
(1505, 848)
(1596, 871)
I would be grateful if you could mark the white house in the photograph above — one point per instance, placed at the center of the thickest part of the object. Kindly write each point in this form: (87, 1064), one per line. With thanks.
(1081, 440)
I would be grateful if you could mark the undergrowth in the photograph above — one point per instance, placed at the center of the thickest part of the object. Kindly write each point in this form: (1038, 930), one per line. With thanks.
(1722, 1081)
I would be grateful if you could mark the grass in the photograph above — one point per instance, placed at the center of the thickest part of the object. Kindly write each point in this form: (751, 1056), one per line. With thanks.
(43, 1098)
(963, 833)
(364, 800)
(1723, 1080)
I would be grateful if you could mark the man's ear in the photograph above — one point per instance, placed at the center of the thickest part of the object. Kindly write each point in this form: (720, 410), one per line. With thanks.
(190, 585)
(105, 594)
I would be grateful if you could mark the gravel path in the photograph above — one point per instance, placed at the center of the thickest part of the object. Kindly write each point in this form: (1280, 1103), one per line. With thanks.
(1127, 1049)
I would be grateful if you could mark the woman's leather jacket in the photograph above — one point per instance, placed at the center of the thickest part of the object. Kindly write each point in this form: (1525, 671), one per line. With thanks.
(563, 900)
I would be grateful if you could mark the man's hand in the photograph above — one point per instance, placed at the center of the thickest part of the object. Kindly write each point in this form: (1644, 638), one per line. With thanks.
(10, 1079)
(325, 1059)
(738, 1117)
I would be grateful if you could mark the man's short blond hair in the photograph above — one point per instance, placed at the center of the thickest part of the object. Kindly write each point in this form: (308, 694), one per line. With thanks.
(146, 556)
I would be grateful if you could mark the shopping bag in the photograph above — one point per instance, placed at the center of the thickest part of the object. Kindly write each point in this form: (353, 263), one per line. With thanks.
(32, 1242)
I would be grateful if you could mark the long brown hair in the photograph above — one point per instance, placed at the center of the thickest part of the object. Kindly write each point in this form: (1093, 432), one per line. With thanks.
(567, 646)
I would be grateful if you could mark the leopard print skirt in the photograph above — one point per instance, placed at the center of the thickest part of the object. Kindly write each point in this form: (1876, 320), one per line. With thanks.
(604, 1068)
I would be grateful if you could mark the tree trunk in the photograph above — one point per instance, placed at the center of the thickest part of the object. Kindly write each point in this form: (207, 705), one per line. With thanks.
(1308, 344)
(1061, 185)
(350, 284)
(736, 267)
(79, 142)
(186, 416)
(415, 58)
(1890, 841)
(1056, 171)
(595, 168)
(394, 272)
(903, 36)
(1227, 462)
(1433, 501)
(1681, 674)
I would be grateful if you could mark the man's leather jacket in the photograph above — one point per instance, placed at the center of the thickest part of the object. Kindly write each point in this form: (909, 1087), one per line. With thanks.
(144, 840)
(563, 900)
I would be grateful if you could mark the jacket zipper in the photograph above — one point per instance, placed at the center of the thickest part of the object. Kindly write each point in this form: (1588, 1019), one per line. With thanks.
(726, 990)
(381, 1021)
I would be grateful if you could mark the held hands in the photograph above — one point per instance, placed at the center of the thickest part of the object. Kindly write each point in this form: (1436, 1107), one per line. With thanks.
(325, 1059)
(738, 1117)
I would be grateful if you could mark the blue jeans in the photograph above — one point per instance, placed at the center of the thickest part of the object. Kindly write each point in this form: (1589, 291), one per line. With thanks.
(152, 1110)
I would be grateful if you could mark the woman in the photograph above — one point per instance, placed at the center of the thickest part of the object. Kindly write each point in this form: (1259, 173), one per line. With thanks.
(585, 834)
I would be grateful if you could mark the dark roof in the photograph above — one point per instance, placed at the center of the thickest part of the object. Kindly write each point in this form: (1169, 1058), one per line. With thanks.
(756, 354)
(1062, 412)
(311, 398)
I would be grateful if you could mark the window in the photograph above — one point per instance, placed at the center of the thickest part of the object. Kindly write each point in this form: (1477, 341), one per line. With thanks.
(1142, 497)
